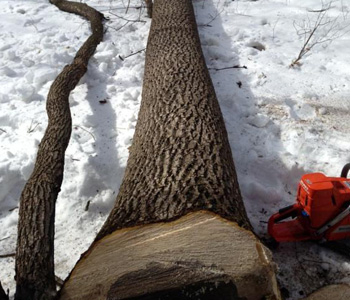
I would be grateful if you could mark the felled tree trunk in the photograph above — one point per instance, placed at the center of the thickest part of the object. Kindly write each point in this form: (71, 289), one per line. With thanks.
(35, 277)
(180, 159)
(179, 226)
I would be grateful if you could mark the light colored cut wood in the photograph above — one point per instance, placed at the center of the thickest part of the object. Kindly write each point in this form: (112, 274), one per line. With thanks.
(199, 247)
(331, 292)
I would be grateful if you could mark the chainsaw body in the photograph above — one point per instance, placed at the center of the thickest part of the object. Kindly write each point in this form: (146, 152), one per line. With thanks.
(321, 211)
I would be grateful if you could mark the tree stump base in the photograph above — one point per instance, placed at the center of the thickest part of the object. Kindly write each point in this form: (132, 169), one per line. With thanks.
(200, 255)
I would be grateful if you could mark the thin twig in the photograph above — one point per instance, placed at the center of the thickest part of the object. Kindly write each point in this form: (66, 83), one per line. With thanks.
(3, 130)
(87, 205)
(226, 68)
(273, 29)
(31, 129)
(212, 19)
(140, 11)
(5, 238)
(86, 131)
(117, 29)
(122, 58)
(120, 8)
(134, 21)
(135, 53)
(33, 23)
(7, 255)
(127, 8)
(307, 29)
(317, 10)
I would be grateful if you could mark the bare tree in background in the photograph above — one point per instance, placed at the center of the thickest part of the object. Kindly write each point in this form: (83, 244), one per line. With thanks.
(321, 30)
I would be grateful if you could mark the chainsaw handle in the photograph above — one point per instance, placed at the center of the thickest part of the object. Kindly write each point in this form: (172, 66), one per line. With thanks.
(282, 210)
(345, 171)
(287, 212)
(283, 213)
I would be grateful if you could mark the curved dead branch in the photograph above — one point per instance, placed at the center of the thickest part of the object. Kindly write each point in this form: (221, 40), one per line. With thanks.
(35, 278)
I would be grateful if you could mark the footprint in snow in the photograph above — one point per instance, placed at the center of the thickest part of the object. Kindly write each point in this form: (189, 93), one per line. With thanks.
(257, 46)
(302, 111)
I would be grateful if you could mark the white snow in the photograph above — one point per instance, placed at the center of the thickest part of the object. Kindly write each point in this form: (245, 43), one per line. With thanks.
(282, 122)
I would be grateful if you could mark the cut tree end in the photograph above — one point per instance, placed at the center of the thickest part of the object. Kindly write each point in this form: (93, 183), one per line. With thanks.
(334, 291)
(198, 253)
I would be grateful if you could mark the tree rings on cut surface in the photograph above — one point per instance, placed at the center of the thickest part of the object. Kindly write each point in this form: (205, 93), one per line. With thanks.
(194, 253)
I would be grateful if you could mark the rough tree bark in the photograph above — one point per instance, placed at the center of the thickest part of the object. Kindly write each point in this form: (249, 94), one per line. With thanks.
(35, 244)
(180, 160)
(179, 225)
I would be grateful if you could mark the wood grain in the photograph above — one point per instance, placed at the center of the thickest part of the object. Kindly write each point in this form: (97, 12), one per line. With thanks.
(197, 249)
(331, 292)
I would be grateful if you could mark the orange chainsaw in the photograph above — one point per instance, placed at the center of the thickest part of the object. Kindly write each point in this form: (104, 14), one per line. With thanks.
(321, 211)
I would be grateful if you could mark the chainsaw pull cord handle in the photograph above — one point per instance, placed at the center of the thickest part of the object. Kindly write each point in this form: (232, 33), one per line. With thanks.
(345, 171)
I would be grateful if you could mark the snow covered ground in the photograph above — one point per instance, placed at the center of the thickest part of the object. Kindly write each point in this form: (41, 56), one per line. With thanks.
(282, 122)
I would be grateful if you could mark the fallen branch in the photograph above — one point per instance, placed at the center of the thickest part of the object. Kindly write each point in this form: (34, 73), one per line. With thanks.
(120, 8)
(318, 10)
(226, 68)
(117, 29)
(7, 255)
(5, 238)
(217, 13)
(35, 277)
(31, 128)
(123, 58)
(82, 128)
(87, 205)
(127, 8)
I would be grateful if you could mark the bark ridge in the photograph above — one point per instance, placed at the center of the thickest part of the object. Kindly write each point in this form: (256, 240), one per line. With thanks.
(180, 160)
